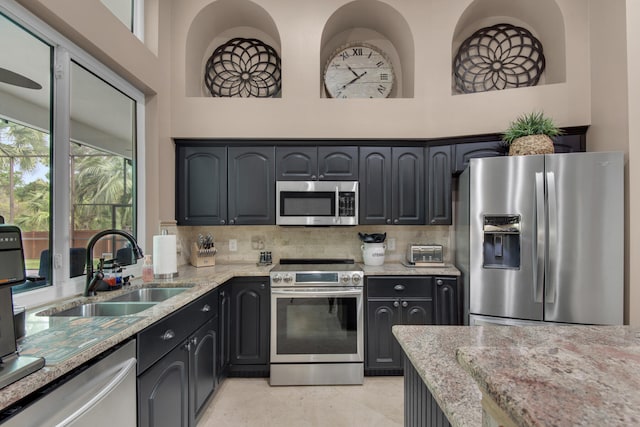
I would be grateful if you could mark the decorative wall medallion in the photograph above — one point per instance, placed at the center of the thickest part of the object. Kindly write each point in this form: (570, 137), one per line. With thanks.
(499, 57)
(358, 70)
(245, 68)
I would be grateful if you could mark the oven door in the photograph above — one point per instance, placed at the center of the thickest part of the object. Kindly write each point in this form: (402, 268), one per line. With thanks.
(317, 325)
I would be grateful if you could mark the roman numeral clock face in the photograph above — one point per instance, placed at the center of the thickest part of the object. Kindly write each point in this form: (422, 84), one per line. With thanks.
(358, 71)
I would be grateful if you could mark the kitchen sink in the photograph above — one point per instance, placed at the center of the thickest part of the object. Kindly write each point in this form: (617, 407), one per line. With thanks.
(105, 309)
(149, 294)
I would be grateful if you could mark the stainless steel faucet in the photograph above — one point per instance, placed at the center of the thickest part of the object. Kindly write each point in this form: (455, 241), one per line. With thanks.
(94, 279)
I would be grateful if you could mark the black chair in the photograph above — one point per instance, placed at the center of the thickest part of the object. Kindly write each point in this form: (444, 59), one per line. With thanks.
(124, 256)
(77, 260)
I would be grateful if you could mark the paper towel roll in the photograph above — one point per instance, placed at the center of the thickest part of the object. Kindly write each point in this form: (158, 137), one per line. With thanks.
(165, 259)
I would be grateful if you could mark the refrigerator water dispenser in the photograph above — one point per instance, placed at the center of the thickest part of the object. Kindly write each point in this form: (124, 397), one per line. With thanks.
(501, 245)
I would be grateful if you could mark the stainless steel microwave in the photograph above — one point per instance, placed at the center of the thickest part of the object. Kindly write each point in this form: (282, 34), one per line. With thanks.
(317, 202)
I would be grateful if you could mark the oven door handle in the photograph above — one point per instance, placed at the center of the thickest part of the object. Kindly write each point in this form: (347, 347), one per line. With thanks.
(310, 292)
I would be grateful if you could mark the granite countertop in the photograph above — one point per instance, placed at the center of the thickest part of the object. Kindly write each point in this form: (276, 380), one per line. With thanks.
(433, 352)
(68, 342)
(560, 385)
(401, 269)
(46, 336)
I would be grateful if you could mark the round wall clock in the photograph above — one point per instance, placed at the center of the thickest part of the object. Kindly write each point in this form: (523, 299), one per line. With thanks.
(358, 70)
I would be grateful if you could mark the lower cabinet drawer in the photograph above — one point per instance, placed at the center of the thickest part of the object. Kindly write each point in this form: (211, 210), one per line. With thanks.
(161, 337)
(399, 286)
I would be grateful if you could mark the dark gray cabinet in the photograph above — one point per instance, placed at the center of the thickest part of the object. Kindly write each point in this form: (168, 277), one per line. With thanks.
(202, 347)
(404, 300)
(251, 186)
(394, 300)
(392, 185)
(471, 150)
(311, 163)
(163, 391)
(244, 327)
(449, 301)
(177, 359)
(439, 185)
(224, 331)
(201, 185)
(216, 185)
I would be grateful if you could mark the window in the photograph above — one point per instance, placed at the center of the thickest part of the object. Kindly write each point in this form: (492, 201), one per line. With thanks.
(68, 160)
(25, 135)
(122, 9)
(129, 12)
(101, 154)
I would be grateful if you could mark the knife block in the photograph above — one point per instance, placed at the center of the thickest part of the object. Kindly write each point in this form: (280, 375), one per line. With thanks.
(202, 257)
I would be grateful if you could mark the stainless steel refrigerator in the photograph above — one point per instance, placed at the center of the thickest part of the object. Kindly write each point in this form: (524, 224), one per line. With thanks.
(540, 238)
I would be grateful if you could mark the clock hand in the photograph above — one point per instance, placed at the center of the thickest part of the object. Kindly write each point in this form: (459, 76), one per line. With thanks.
(351, 69)
(353, 80)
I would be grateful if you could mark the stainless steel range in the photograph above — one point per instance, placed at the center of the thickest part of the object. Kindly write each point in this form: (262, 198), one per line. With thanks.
(317, 322)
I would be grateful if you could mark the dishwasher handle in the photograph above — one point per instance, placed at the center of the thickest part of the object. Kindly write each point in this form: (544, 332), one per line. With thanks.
(122, 371)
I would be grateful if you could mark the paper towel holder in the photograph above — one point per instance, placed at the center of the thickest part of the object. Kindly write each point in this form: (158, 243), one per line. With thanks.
(165, 257)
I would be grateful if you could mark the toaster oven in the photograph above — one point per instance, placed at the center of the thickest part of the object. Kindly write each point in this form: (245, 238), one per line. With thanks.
(425, 255)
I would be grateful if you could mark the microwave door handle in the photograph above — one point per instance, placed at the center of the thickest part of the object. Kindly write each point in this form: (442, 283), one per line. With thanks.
(337, 205)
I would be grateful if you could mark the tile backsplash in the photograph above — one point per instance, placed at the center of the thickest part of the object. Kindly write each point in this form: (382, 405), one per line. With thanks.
(306, 242)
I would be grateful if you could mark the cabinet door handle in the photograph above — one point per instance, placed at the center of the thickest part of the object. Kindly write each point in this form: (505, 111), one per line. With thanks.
(313, 177)
(168, 335)
(396, 303)
(388, 221)
(262, 286)
(194, 340)
(321, 176)
(187, 346)
(404, 303)
(439, 282)
(232, 221)
(205, 308)
(398, 288)
(222, 221)
(395, 221)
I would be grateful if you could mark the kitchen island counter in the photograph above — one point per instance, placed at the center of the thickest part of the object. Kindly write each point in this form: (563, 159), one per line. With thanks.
(433, 350)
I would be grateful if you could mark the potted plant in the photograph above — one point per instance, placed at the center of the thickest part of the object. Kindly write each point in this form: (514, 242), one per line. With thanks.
(531, 134)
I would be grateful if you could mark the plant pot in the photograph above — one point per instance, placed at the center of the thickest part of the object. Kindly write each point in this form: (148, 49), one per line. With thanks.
(531, 144)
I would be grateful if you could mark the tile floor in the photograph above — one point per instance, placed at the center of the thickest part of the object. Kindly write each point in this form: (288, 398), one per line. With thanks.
(244, 402)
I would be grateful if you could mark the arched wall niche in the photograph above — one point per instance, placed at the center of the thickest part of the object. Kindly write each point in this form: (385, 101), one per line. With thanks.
(379, 24)
(543, 18)
(214, 25)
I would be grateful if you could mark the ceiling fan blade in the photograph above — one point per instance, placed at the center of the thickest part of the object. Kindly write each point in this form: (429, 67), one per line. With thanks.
(8, 76)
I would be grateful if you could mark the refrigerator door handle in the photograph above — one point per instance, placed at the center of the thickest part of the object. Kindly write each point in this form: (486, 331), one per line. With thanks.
(540, 246)
(550, 290)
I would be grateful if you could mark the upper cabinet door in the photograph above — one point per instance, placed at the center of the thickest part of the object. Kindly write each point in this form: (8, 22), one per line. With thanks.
(439, 185)
(251, 186)
(375, 185)
(338, 163)
(408, 185)
(297, 163)
(201, 185)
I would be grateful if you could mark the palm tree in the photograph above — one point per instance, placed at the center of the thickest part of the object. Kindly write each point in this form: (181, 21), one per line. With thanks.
(21, 150)
(100, 180)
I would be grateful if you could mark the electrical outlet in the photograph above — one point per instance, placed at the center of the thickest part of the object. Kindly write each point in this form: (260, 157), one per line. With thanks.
(233, 245)
(391, 244)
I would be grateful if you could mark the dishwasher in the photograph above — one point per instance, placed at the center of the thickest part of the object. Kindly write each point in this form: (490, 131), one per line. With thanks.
(102, 394)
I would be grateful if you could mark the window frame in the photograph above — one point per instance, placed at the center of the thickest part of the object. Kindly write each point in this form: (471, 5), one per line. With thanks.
(65, 51)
